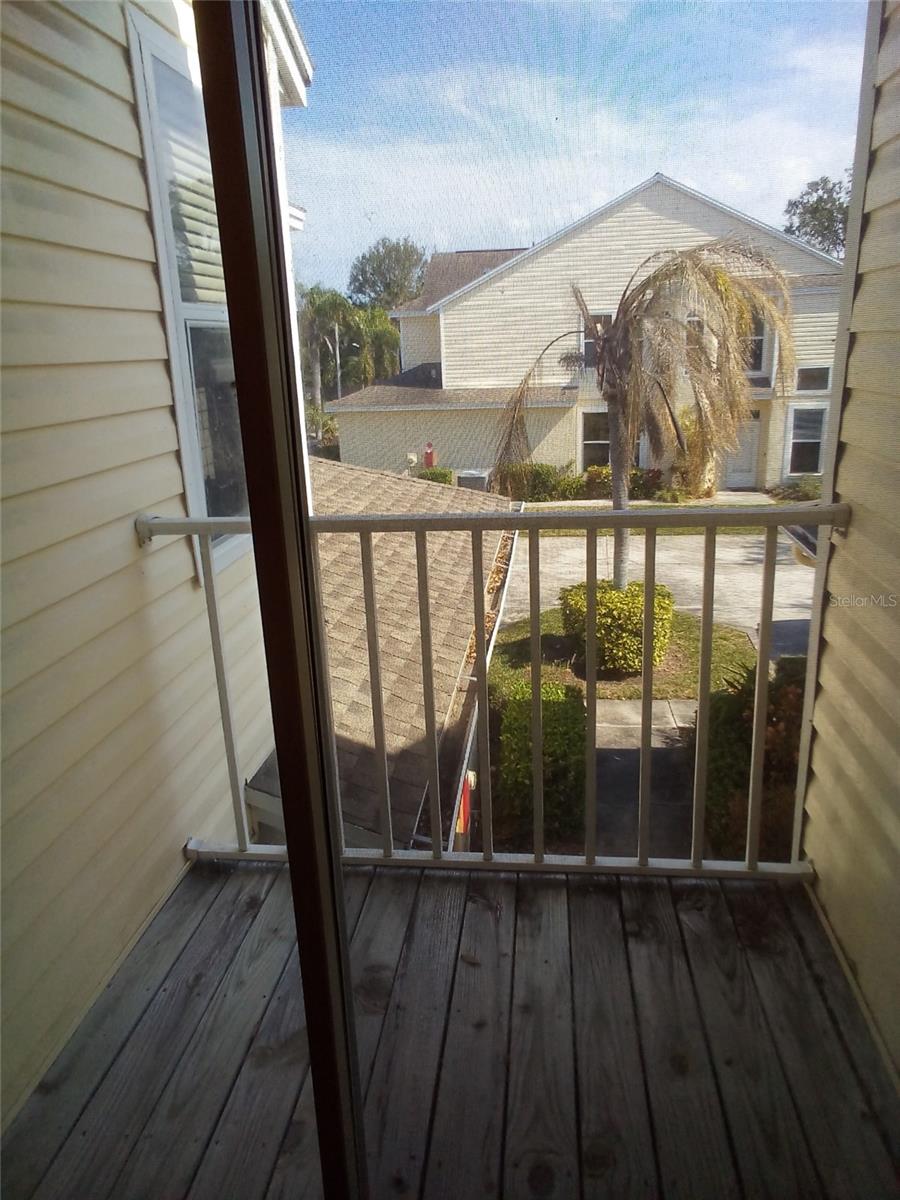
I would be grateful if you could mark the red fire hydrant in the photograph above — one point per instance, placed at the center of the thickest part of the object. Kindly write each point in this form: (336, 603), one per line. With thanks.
(428, 457)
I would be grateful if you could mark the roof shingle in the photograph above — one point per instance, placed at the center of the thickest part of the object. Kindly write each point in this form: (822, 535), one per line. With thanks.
(448, 271)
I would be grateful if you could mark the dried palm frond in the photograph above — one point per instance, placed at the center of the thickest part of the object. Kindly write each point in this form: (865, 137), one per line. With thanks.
(682, 332)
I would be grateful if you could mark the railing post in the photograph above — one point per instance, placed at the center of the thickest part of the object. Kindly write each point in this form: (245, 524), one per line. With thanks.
(434, 774)
(381, 766)
(701, 749)
(590, 688)
(210, 590)
(761, 701)
(537, 733)
(484, 739)
(646, 697)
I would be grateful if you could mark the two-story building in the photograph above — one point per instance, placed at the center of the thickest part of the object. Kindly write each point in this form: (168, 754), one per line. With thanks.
(484, 316)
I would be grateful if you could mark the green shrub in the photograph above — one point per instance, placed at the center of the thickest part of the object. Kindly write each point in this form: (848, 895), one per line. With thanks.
(436, 474)
(563, 725)
(645, 483)
(538, 482)
(728, 770)
(620, 622)
(807, 487)
(570, 487)
(598, 483)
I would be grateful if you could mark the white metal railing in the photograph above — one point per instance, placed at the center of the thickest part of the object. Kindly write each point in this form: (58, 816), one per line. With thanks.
(705, 519)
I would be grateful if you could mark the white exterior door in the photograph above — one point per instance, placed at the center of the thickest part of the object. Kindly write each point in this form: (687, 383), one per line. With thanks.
(740, 467)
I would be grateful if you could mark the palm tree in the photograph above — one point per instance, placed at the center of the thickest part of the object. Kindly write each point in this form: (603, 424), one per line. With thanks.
(320, 310)
(679, 343)
(377, 344)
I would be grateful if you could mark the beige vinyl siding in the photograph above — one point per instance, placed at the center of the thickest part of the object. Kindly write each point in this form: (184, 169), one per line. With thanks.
(112, 744)
(420, 341)
(814, 327)
(463, 440)
(853, 796)
(493, 334)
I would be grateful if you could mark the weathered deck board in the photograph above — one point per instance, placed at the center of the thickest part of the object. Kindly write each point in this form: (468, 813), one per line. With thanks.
(770, 1147)
(541, 1153)
(691, 1136)
(510, 1031)
(404, 1074)
(847, 1017)
(375, 950)
(617, 1154)
(248, 1135)
(101, 1141)
(469, 1106)
(168, 1152)
(850, 1156)
(47, 1119)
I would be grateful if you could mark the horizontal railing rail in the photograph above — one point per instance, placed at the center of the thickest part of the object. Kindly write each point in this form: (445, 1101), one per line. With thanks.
(706, 519)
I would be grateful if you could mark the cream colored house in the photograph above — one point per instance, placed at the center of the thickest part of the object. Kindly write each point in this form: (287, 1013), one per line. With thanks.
(484, 316)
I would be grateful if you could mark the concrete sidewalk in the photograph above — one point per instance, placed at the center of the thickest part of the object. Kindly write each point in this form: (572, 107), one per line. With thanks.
(679, 565)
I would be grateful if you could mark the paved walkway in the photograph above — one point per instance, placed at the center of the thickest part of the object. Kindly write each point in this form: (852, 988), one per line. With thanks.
(679, 565)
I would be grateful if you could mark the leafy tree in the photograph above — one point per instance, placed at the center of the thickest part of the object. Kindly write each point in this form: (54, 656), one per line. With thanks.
(388, 273)
(374, 351)
(684, 321)
(819, 214)
(320, 309)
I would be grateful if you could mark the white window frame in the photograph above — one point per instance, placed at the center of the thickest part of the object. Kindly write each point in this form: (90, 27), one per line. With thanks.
(768, 358)
(148, 40)
(579, 449)
(792, 408)
(813, 366)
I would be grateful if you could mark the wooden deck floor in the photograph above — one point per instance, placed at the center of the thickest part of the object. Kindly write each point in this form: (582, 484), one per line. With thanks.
(533, 1037)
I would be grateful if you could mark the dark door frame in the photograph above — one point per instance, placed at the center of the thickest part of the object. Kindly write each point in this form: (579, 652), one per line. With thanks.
(236, 96)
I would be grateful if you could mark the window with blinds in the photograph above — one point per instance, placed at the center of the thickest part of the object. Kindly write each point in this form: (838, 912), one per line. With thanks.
(190, 264)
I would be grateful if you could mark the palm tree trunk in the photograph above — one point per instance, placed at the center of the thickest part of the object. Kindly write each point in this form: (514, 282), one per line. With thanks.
(619, 465)
(315, 360)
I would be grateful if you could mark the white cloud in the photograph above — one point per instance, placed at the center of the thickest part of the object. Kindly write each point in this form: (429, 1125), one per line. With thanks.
(506, 157)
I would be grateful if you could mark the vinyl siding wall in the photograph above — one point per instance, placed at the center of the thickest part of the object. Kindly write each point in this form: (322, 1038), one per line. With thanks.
(112, 745)
(493, 334)
(463, 440)
(420, 341)
(853, 796)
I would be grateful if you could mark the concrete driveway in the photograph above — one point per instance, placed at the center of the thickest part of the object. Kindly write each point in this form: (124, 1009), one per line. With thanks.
(679, 565)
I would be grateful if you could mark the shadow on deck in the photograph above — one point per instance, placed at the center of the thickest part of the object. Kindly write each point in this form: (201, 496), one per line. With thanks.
(538, 1036)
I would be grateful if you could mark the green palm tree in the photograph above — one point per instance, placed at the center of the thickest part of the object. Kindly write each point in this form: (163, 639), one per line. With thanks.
(320, 310)
(377, 343)
(679, 345)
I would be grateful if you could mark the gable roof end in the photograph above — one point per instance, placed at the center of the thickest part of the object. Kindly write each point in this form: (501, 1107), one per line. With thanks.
(769, 230)
(449, 271)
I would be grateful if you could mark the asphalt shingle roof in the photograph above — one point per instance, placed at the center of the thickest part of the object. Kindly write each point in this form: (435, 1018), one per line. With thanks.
(341, 488)
(448, 271)
(387, 395)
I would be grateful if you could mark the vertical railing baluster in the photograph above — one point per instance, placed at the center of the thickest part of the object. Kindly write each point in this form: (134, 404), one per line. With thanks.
(537, 734)
(210, 589)
(590, 682)
(381, 765)
(333, 767)
(646, 697)
(431, 746)
(761, 701)
(701, 752)
(484, 735)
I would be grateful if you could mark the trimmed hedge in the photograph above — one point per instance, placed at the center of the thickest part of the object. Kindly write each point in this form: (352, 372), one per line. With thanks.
(728, 770)
(620, 622)
(563, 725)
(435, 475)
(539, 482)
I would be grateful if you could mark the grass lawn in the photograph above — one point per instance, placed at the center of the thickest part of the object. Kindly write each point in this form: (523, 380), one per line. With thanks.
(674, 679)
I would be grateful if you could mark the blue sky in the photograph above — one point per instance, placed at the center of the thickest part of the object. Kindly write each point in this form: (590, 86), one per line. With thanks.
(469, 124)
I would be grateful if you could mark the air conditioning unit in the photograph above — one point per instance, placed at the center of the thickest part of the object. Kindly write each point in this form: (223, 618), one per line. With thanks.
(476, 481)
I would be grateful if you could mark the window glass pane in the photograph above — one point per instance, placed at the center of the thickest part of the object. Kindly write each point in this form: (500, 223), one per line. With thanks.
(755, 347)
(808, 423)
(187, 179)
(596, 454)
(217, 421)
(813, 379)
(805, 458)
(596, 427)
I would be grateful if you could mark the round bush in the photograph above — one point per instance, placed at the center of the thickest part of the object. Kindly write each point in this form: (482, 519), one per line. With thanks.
(620, 622)
(436, 475)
